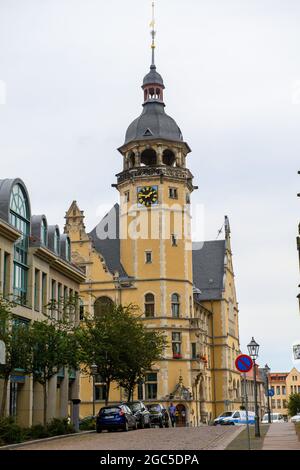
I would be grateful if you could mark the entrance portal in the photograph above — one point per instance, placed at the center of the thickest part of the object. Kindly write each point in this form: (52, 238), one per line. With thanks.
(180, 416)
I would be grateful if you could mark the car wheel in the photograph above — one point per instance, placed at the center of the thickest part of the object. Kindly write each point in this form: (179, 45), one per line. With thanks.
(126, 427)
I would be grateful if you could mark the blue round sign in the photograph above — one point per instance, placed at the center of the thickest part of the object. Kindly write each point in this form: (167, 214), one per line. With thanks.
(271, 392)
(243, 363)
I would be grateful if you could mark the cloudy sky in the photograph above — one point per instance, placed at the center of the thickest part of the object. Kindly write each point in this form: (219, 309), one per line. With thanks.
(72, 71)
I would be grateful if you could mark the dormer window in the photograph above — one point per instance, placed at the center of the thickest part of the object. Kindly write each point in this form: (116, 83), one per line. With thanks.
(68, 249)
(44, 232)
(56, 242)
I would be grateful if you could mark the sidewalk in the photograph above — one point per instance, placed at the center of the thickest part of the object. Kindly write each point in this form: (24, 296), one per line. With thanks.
(281, 436)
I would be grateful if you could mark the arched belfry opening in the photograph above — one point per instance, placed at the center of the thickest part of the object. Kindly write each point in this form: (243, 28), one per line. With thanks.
(169, 158)
(148, 157)
(131, 159)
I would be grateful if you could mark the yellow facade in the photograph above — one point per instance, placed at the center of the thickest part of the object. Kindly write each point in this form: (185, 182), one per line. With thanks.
(148, 259)
(284, 384)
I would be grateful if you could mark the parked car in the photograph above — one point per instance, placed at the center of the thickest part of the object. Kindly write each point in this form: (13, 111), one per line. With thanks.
(159, 415)
(239, 417)
(115, 417)
(275, 418)
(226, 414)
(296, 418)
(141, 414)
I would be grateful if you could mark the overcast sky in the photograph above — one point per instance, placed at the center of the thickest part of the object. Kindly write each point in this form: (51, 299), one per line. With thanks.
(73, 71)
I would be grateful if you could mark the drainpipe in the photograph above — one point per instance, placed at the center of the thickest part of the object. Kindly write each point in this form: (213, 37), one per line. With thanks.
(213, 356)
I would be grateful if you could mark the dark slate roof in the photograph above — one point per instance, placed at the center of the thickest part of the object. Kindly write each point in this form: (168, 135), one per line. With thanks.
(155, 120)
(153, 77)
(208, 269)
(109, 248)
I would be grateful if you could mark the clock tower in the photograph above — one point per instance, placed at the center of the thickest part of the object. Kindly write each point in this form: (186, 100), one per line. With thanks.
(155, 189)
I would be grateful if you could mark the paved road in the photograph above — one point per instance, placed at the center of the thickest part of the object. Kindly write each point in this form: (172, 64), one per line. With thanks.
(281, 436)
(204, 437)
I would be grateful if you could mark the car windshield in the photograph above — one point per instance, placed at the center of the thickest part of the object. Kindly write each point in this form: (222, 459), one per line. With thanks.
(154, 408)
(109, 411)
(227, 413)
(135, 406)
(265, 417)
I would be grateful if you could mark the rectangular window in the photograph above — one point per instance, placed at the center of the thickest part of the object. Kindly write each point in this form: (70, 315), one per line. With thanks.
(100, 392)
(59, 300)
(127, 196)
(176, 345)
(283, 390)
(151, 386)
(6, 275)
(148, 257)
(140, 391)
(44, 293)
(194, 350)
(187, 198)
(173, 193)
(278, 403)
(278, 390)
(37, 290)
(20, 283)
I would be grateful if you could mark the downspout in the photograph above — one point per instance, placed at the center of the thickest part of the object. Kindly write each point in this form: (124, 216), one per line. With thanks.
(213, 357)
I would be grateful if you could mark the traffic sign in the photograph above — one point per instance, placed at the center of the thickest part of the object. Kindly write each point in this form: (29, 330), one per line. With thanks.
(243, 363)
(271, 392)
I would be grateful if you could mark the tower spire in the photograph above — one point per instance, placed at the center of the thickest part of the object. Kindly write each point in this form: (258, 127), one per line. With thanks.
(153, 34)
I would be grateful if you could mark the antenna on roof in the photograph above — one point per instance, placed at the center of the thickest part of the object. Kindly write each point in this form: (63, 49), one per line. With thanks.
(220, 231)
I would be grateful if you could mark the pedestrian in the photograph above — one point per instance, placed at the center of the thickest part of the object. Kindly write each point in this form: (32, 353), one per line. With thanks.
(172, 413)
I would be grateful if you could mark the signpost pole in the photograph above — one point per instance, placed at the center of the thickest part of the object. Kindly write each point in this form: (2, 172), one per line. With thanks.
(246, 406)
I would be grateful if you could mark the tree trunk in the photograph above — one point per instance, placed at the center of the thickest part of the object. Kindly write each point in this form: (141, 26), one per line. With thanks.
(4, 395)
(45, 387)
(107, 392)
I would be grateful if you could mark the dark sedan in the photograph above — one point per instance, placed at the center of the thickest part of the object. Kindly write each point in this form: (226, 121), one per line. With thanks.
(159, 415)
(115, 417)
(141, 414)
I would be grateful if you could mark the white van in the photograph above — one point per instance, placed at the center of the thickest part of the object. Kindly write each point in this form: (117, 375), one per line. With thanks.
(275, 418)
(238, 417)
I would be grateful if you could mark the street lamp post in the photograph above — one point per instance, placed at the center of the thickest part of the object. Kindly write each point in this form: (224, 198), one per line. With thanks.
(267, 369)
(94, 370)
(253, 349)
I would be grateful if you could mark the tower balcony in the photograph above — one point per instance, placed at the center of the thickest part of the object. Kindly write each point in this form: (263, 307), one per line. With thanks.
(183, 174)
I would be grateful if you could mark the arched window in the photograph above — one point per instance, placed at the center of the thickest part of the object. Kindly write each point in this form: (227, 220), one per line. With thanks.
(101, 305)
(19, 217)
(44, 232)
(149, 305)
(175, 300)
(168, 158)
(148, 157)
(68, 249)
(56, 242)
(131, 160)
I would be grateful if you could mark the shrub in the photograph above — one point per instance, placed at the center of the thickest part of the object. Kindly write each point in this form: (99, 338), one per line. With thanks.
(38, 431)
(58, 427)
(10, 432)
(88, 424)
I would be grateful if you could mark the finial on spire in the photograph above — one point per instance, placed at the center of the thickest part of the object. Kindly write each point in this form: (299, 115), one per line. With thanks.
(153, 33)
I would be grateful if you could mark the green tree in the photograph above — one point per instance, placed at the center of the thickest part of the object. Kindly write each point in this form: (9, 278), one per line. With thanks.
(14, 333)
(54, 346)
(294, 404)
(143, 349)
(119, 345)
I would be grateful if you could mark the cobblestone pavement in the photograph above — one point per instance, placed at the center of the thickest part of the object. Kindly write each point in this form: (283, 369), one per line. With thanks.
(202, 438)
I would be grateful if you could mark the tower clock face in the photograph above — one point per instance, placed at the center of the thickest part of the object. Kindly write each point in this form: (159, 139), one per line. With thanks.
(147, 195)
